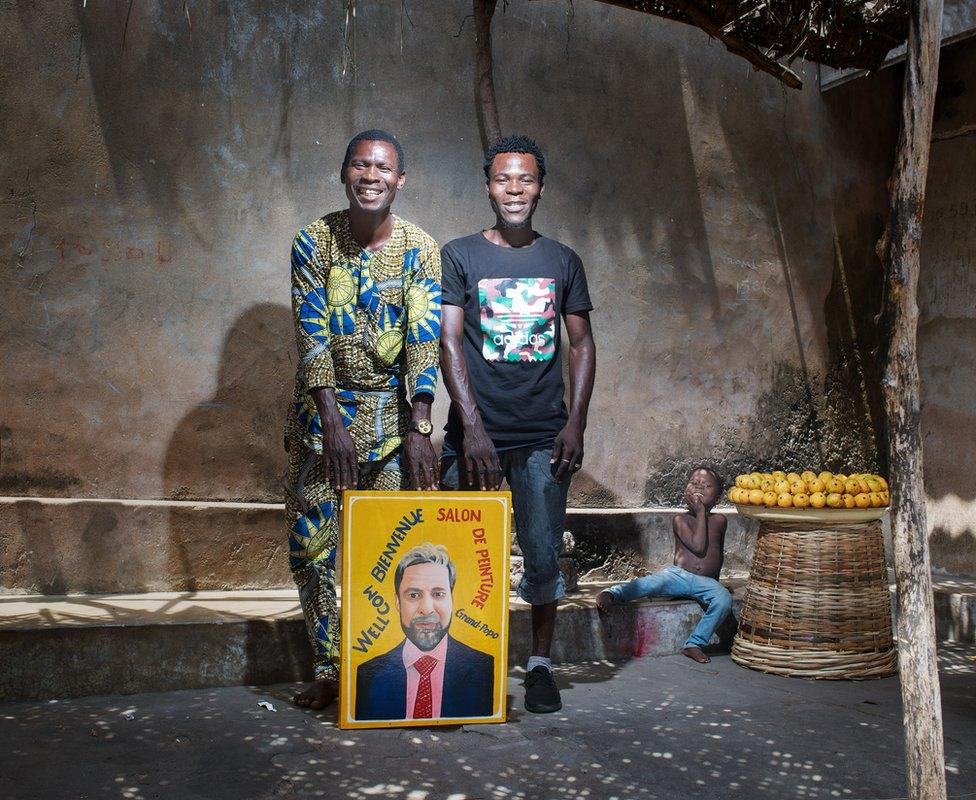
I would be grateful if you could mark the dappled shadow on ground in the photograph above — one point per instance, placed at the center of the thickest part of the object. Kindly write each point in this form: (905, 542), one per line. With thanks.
(651, 728)
(957, 659)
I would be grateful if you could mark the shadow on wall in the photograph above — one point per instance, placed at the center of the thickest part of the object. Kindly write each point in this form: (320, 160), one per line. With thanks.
(618, 547)
(868, 121)
(612, 544)
(130, 65)
(803, 420)
(193, 102)
(163, 92)
(947, 322)
(696, 228)
(230, 447)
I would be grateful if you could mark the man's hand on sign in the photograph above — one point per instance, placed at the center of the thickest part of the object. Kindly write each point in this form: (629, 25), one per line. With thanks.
(481, 463)
(567, 454)
(421, 461)
(340, 465)
(339, 462)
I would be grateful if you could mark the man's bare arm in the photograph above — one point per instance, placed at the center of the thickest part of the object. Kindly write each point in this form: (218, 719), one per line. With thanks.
(478, 457)
(568, 449)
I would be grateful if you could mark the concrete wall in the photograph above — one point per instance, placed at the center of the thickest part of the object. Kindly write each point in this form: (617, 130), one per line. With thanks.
(947, 325)
(864, 112)
(153, 177)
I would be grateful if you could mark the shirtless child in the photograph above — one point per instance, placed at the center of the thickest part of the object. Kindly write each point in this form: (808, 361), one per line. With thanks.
(699, 539)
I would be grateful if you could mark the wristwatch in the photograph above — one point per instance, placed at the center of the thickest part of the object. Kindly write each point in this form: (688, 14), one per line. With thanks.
(421, 426)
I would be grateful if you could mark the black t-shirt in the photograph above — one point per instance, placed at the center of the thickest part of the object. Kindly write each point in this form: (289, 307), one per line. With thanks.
(513, 298)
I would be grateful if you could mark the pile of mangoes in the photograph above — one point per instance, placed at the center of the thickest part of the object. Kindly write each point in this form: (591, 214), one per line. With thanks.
(810, 490)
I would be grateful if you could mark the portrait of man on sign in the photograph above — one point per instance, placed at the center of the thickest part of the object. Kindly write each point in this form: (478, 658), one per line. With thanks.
(428, 675)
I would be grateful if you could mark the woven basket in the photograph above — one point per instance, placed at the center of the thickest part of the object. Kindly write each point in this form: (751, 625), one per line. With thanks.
(817, 604)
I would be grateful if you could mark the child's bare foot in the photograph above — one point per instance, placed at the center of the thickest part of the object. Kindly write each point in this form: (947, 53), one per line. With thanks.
(318, 695)
(604, 600)
(696, 654)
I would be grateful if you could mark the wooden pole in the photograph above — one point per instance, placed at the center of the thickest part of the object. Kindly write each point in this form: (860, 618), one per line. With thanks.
(899, 249)
(487, 105)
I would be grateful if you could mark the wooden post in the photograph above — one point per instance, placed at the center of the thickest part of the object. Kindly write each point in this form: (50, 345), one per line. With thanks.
(899, 249)
(487, 106)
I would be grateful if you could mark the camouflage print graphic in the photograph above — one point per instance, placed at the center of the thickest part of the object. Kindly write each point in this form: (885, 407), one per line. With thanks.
(368, 326)
(518, 318)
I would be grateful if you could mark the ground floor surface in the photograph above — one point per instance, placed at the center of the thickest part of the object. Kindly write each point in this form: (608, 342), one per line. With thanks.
(647, 728)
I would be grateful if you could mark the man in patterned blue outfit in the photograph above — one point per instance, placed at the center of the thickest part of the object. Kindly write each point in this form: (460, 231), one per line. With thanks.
(366, 298)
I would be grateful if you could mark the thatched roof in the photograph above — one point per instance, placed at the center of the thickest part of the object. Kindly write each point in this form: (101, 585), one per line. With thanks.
(843, 34)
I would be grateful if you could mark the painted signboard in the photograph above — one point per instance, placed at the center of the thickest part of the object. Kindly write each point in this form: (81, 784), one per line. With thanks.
(425, 582)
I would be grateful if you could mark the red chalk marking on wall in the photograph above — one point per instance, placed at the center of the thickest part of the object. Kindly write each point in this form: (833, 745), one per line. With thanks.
(116, 250)
(63, 246)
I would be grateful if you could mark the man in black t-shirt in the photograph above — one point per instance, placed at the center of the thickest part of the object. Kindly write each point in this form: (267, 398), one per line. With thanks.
(504, 292)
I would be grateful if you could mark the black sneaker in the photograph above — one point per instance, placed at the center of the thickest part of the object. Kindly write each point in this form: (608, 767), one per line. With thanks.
(541, 694)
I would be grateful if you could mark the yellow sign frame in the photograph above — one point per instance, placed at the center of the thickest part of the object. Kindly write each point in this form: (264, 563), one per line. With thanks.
(378, 529)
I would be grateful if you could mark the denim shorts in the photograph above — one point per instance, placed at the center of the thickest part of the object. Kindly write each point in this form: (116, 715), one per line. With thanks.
(540, 515)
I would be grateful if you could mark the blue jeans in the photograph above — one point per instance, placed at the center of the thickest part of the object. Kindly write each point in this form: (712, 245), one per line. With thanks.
(676, 582)
(540, 514)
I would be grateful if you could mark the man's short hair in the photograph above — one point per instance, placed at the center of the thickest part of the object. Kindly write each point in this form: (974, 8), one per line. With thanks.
(516, 144)
(426, 553)
(718, 478)
(375, 135)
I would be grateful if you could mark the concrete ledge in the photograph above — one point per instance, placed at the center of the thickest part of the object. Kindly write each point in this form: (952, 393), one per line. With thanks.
(55, 647)
(58, 647)
(80, 661)
(954, 600)
(58, 547)
(955, 609)
(63, 545)
(36, 612)
(85, 645)
(644, 628)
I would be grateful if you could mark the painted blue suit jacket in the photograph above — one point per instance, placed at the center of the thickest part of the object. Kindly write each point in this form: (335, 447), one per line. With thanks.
(469, 684)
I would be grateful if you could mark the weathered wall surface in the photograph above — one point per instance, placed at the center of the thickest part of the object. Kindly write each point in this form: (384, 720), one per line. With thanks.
(947, 325)
(153, 181)
(867, 126)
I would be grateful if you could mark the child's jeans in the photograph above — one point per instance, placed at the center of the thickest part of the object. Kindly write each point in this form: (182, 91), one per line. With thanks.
(676, 582)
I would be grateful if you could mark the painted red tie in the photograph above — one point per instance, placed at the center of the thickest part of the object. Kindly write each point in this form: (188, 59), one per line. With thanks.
(423, 706)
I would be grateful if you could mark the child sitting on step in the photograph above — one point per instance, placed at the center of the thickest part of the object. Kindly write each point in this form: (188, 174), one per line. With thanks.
(699, 540)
